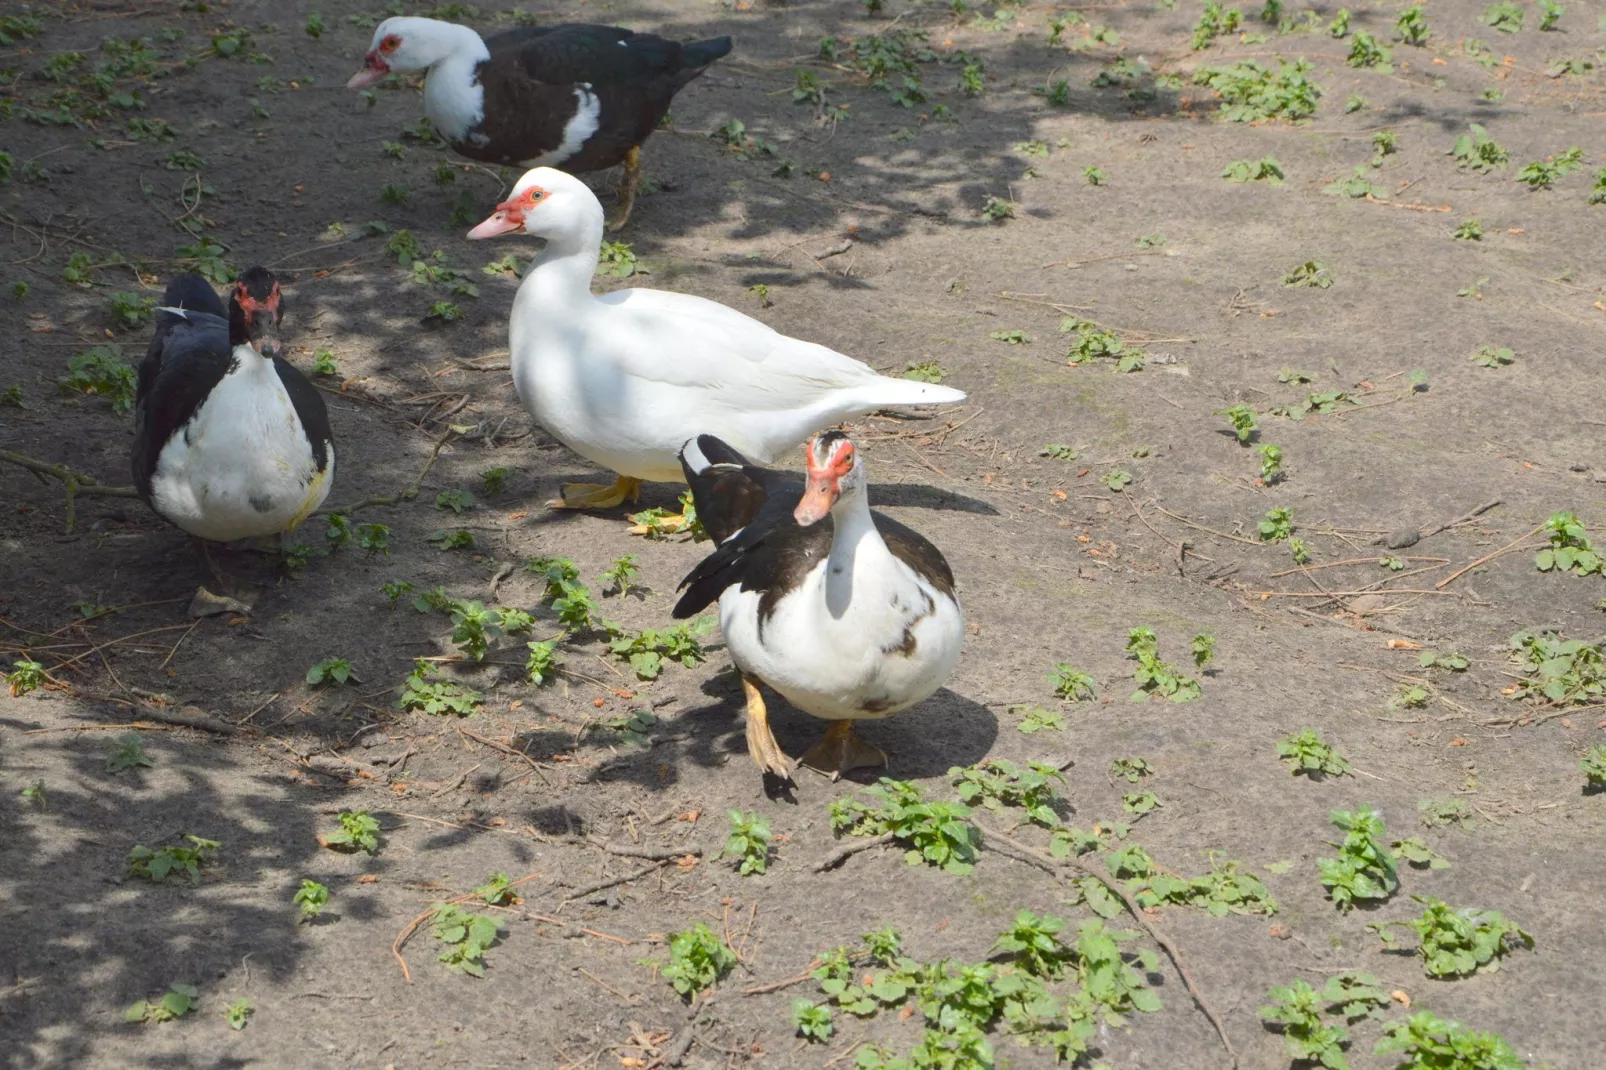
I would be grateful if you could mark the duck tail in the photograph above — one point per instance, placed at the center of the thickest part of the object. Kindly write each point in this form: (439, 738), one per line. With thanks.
(192, 293)
(700, 54)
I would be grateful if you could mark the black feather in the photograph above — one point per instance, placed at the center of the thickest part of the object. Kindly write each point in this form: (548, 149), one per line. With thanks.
(188, 356)
(310, 410)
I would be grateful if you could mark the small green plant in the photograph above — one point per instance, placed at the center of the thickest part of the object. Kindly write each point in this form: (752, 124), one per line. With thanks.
(632, 726)
(1457, 943)
(1215, 21)
(1364, 869)
(1155, 677)
(238, 1013)
(938, 833)
(1271, 462)
(1426, 1042)
(1203, 649)
(1131, 770)
(1597, 195)
(1451, 662)
(1036, 719)
(1071, 683)
(1277, 525)
(374, 539)
(128, 754)
(1357, 185)
(1265, 169)
(357, 831)
(1436, 813)
(1570, 549)
(813, 1021)
(1251, 92)
(650, 650)
(179, 1000)
(1242, 419)
(748, 843)
(1593, 766)
(425, 692)
(394, 590)
(443, 311)
(1550, 13)
(455, 500)
(1117, 479)
(467, 937)
(1139, 803)
(173, 860)
(129, 311)
(314, 25)
(1365, 51)
(311, 897)
(1306, 752)
(1410, 697)
(998, 783)
(1492, 357)
(1058, 451)
(101, 372)
(1011, 337)
(34, 794)
(620, 575)
(697, 960)
(1384, 143)
(1415, 851)
(1300, 552)
(493, 481)
(1311, 273)
(331, 671)
(1297, 1012)
(1543, 174)
(458, 539)
(1478, 151)
(1503, 16)
(323, 363)
(394, 193)
(1093, 174)
(497, 890)
(617, 260)
(1468, 230)
(1412, 25)
(542, 662)
(925, 371)
(970, 80)
(11, 397)
(1562, 671)
(998, 209)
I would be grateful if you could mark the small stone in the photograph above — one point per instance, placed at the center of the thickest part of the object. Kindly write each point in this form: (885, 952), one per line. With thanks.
(1399, 540)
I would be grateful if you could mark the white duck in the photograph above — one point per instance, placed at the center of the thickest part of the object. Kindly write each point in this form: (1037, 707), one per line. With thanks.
(847, 613)
(624, 379)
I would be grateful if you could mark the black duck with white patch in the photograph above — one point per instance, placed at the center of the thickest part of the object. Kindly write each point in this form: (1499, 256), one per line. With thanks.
(574, 96)
(847, 613)
(229, 443)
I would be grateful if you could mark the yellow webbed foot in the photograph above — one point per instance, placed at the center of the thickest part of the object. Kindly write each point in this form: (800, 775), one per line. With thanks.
(842, 751)
(597, 495)
(767, 753)
(629, 182)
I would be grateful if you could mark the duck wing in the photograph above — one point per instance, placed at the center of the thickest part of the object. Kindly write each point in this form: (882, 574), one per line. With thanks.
(189, 355)
(577, 54)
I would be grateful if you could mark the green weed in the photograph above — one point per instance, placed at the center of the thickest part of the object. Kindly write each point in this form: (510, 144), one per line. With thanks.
(1071, 683)
(1265, 169)
(1357, 185)
(311, 897)
(1011, 337)
(1093, 174)
(179, 1000)
(101, 372)
(1570, 549)
(1131, 770)
(467, 935)
(748, 843)
(424, 691)
(648, 651)
(813, 1021)
(925, 371)
(1277, 525)
(1492, 357)
(331, 671)
(997, 783)
(1543, 174)
(238, 1013)
(1364, 869)
(129, 753)
(356, 831)
(1451, 662)
(1457, 943)
(1478, 151)
(1117, 479)
(1306, 752)
(1563, 672)
(697, 960)
(1503, 16)
(1036, 719)
(1426, 1042)
(1593, 766)
(939, 833)
(173, 860)
(1297, 1012)
(1415, 851)
(542, 662)
(1155, 677)
(1242, 419)
(1214, 21)
(1250, 92)
(1550, 13)
(1412, 25)
(1271, 462)
(1311, 273)
(444, 540)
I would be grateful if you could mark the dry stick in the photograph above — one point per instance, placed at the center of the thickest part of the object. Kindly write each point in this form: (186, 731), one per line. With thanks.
(1030, 856)
(1341, 594)
(604, 885)
(785, 982)
(170, 653)
(1201, 527)
(852, 849)
(1479, 511)
(1486, 558)
(75, 482)
(605, 985)
(1354, 561)
(494, 745)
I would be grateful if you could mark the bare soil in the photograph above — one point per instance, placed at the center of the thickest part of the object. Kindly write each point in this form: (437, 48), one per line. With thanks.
(1053, 565)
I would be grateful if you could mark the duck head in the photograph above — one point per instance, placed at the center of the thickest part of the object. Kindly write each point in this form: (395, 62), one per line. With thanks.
(255, 309)
(545, 203)
(406, 43)
(835, 475)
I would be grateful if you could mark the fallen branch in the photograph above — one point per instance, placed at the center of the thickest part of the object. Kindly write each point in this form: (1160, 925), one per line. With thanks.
(75, 482)
(1030, 856)
(1486, 558)
(605, 885)
(785, 982)
(505, 749)
(852, 849)
(1479, 511)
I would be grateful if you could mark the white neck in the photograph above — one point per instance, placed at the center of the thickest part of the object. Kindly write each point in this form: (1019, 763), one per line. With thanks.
(856, 548)
(454, 100)
(561, 275)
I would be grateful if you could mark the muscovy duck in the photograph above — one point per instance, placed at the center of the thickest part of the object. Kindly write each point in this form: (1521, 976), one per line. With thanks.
(230, 441)
(574, 96)
(626, 378)
(846, 613)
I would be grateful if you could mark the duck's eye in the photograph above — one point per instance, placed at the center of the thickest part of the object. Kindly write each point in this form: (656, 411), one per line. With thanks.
(390, 44)
(535, 194)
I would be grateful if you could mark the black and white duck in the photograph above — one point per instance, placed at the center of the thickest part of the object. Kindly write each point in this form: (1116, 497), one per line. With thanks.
(230, 441)
(846, 613)
(574, 96)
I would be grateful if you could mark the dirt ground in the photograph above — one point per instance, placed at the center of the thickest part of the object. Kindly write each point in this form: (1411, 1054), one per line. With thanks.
(1053, 565)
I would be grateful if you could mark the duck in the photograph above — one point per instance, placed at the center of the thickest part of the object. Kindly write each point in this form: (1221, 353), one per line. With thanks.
(844, 612)
(575, 96)
(230, 440)
(625, 379)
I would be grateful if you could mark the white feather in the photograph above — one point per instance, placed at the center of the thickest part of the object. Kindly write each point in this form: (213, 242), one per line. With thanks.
(577, 131)
(242, 466)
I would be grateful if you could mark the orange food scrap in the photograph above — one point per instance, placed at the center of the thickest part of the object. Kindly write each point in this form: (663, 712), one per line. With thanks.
(1399, 996)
